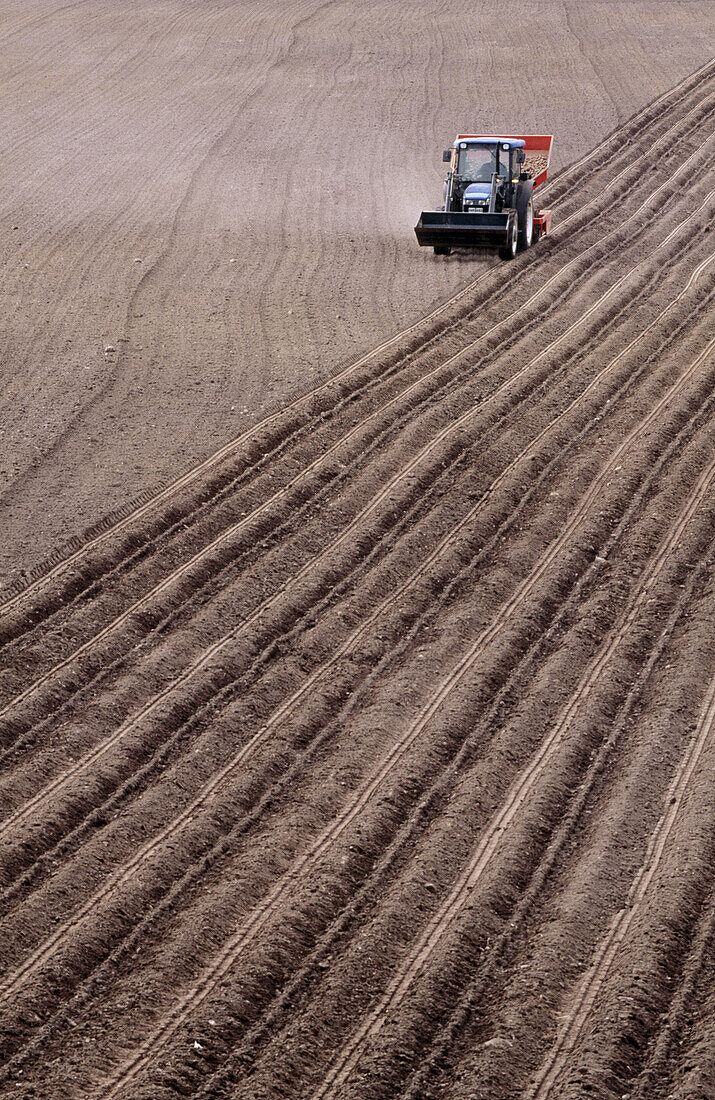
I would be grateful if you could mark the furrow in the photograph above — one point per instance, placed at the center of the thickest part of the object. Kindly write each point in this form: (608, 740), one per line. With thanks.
(449, 539)
(434, 1064)
(666, 1045)
(74, 838)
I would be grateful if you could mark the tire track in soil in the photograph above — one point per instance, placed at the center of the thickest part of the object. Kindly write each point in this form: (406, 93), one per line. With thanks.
(200, 557)
(578, 1012)
(38, 345)
(346, 536)
(461, 893)
(229, 954)
(702, 76)
(280, 715)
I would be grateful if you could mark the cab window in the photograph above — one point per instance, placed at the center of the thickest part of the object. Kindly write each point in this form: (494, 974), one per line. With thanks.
(479, 162)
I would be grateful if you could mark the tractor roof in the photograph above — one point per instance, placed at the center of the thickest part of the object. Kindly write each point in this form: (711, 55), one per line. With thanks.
(480, 139)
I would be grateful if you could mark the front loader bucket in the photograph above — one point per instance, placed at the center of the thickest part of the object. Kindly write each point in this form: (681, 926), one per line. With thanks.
(463, 230)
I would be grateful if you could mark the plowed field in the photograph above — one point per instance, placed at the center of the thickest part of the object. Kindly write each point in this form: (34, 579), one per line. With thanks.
(373, 756)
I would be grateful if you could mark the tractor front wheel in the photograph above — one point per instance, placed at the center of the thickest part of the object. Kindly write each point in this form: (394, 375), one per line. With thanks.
(512, 244)
(526, 227)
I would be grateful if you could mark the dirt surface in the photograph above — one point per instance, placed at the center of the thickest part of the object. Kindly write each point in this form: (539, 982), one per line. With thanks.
(224, 195)
(373, 756)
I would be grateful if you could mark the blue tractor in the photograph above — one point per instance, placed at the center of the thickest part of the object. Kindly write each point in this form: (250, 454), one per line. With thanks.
(489, 195)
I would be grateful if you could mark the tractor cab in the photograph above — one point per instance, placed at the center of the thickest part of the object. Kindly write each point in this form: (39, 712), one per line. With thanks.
(480, 166)
(479, 160)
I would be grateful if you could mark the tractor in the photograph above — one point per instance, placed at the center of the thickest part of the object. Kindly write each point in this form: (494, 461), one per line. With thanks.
(489, 195)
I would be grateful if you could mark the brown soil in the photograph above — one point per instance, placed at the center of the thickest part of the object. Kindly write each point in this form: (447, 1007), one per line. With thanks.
(373, 756)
